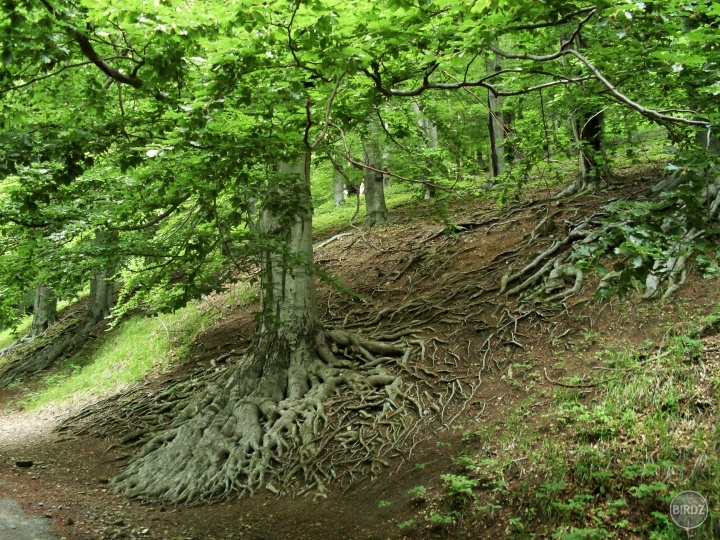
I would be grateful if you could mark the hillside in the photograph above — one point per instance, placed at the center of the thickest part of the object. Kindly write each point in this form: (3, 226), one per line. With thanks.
(579, 418)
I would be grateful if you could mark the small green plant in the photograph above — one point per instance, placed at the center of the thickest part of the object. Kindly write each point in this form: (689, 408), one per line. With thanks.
(383, 504)
(418, 492)
(463, 460)
(439, 518)
(458, 486)
(516, 525)
(645, 490)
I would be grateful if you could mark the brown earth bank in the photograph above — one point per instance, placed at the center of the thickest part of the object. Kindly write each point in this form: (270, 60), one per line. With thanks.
(482, 354)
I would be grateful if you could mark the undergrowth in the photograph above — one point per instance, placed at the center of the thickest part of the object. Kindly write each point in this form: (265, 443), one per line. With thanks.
(603, 462)
(126, 355)
(11, 335)
(327, 216)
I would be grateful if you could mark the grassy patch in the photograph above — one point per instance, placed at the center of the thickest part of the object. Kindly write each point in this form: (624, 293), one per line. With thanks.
(10, 336)
(327, 216)
(601, 463)
(126, 355)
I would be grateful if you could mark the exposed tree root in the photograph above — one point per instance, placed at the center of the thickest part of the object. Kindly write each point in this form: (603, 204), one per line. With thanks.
(349, 409)
(349, 406)
(555, 266)
(60, 343)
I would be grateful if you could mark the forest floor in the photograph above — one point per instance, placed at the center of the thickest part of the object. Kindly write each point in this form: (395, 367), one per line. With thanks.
(414, 269)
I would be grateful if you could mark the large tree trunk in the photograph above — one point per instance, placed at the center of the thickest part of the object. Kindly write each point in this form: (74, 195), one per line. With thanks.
(102, 292)
(44, 310)
(376, 210)
(217, 442)
(270, 405)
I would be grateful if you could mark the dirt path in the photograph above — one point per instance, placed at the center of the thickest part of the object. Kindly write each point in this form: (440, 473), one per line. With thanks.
(16, 525)
(65, 495)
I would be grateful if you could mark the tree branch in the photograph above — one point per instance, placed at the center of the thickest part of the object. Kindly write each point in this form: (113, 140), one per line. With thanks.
(650, 113)
(546, 24)
(360, 165)
(331, 99)
(91, 54)
(157, 219)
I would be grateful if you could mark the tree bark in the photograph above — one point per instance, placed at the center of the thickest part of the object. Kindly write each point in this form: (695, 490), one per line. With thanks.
(430, 136)
(376, 210)
(44, 311)
(496, 127)
(387, 179)
(102, 292)
(226, 436)
(338, 188)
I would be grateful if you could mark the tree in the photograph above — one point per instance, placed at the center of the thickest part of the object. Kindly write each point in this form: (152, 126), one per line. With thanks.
(200, 164)
(429, 133)
(376, 210)
(44, 310)
(338, 187)
(496, 126)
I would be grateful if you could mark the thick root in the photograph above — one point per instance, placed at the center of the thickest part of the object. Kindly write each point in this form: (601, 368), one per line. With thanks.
(556, 266)
(44, 357)
(237, 436)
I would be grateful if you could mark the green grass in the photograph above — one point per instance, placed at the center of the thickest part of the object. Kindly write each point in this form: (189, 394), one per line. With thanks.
(605, 466)
(327, 216)
(131, 351)
(10, 336)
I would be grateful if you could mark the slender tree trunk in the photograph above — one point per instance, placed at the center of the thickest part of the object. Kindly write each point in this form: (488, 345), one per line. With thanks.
(589, 134)
(376, 210)
(481, 161)
(387, 179)
(102, 288)
(430, 136)
(496, 127)
(44, 311)
(338, 188)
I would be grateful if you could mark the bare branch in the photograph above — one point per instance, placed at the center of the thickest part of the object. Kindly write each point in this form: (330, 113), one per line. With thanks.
(157, 219)
(331, 99)
(650, 113)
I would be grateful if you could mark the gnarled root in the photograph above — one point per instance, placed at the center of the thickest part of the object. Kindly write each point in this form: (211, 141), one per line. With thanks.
(263, 423)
